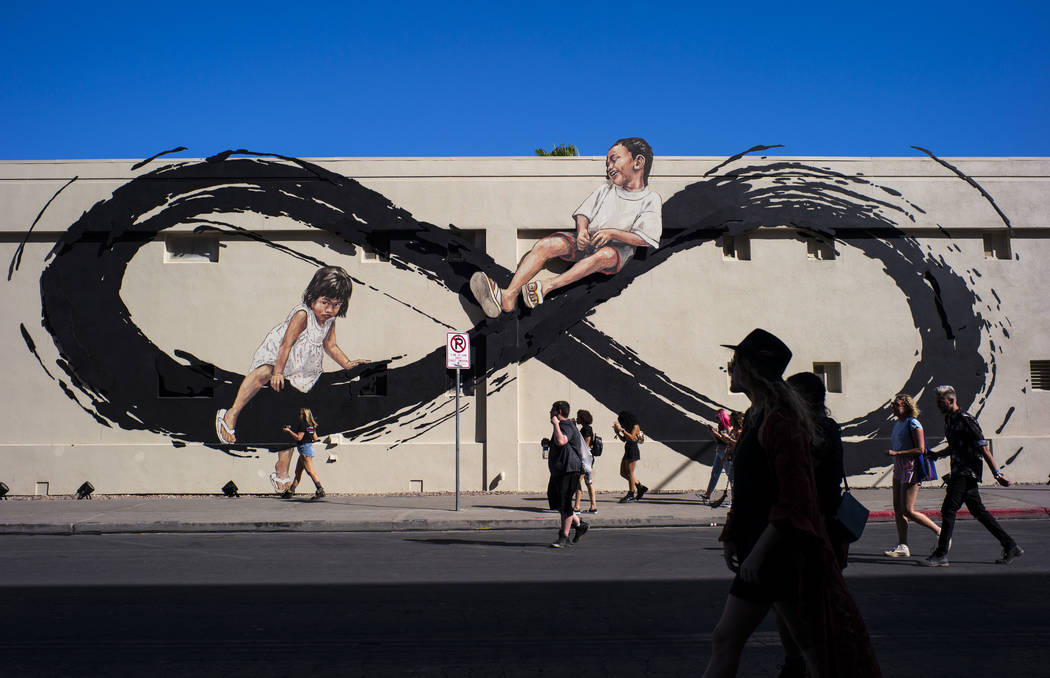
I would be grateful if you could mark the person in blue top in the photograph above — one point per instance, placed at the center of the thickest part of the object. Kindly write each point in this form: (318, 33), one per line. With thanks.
(907, 443)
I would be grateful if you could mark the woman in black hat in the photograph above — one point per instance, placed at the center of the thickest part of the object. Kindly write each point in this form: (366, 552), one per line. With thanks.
(774, 538)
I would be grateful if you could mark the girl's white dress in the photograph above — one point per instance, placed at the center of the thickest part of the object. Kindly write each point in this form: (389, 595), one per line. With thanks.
(303, 367)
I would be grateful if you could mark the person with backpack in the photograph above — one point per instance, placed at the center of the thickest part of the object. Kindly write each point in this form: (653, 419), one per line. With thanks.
(969, 451)
(594, 444)
(565, 463)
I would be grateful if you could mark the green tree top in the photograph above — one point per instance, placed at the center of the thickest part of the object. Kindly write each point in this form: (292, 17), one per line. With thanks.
(563, 150)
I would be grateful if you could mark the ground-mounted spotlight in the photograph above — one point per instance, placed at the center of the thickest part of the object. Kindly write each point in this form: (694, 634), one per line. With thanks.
(4, 489)
(85, 490)
(230, 489)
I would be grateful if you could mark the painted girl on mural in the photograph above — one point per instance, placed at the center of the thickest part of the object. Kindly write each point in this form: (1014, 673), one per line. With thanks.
(293, 350)
(620, 216)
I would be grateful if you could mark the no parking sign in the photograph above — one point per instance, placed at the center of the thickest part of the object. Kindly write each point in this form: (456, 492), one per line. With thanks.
(457, 351)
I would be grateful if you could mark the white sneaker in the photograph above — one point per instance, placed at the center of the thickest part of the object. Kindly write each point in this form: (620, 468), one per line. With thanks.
(899, 551)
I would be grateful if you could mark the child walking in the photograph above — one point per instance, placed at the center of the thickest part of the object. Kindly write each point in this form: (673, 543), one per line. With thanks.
(620, 216)
(293, 350)
(305, 433)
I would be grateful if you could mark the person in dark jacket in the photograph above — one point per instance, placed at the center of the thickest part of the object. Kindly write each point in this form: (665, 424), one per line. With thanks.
(968, 448)
(565, 464)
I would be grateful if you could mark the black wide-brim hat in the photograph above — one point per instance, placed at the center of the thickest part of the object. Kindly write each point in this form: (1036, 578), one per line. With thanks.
(765, 351)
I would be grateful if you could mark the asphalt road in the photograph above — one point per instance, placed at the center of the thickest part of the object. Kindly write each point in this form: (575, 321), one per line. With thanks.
(625, 602)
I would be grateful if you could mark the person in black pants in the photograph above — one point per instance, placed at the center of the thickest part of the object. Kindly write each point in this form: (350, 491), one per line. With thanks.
(967, 447)
(565, 465)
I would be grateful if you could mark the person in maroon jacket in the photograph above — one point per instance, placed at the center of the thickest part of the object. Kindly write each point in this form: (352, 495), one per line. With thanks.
(774, 538)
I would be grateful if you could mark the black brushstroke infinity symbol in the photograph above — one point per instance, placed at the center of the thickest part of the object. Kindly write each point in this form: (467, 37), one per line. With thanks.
(112, 364)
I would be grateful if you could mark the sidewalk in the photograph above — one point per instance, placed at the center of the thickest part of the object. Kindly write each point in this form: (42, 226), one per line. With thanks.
(387, 513)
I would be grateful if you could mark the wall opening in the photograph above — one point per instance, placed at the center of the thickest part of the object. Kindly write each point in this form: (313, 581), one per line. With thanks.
(831, 374)
(819, 249)
(736, 247)
(997, 245)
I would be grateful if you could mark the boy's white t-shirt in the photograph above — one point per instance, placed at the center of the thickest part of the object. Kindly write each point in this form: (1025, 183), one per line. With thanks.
(610, 206)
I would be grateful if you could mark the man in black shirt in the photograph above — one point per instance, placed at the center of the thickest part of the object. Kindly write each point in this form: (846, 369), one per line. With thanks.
(565, 463)
(968, 448)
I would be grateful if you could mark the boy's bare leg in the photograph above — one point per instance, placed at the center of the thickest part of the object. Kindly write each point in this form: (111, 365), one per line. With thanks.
(253, 381)
(604, 258)
(551, 247)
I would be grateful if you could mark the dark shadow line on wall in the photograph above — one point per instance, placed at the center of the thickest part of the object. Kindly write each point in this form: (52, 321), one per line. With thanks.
(16, 260)
(734, 158)
(970, 181)
(143, 163)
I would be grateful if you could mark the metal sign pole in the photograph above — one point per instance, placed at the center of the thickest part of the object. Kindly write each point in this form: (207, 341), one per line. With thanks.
(457, 439)
(457, 357)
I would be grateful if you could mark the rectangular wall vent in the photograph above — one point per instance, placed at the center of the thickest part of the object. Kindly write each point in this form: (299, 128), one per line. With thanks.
(1040, 374)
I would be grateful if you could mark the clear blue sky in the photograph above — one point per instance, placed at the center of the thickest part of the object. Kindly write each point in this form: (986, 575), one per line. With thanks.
(129, 79)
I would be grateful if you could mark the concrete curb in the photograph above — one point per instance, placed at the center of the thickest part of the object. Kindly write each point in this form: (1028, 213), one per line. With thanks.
(418, 525)
(1028, 512)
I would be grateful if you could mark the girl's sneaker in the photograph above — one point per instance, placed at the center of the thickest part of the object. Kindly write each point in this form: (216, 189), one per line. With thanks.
(319, 493)
(899, 551)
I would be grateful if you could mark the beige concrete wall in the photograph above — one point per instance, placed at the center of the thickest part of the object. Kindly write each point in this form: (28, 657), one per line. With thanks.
(844, 310)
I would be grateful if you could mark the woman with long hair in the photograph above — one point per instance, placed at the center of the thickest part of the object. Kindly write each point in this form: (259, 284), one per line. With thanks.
(628, 429)
(305, 434)
(774, 538)
(907, 442)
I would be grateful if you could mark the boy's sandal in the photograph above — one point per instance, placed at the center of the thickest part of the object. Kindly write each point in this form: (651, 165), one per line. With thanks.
(487, 293)
(221, 426)
(273, 481)
(532, 294)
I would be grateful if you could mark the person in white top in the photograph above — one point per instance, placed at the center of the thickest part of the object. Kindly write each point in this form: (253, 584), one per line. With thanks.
(618, 217)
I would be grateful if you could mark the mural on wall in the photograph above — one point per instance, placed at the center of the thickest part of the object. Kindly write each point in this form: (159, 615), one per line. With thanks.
(110, 368)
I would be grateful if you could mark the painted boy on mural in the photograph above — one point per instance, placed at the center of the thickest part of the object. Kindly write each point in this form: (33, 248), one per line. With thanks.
(620, 216)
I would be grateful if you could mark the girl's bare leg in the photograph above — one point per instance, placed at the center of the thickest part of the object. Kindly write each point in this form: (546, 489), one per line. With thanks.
(308, 464)
(630, 470)
(299, 466)
(590, 491)
(253, 381)
(898, 513)
(911, 492)
(599, 261)
(738, 622)
(549, 248)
